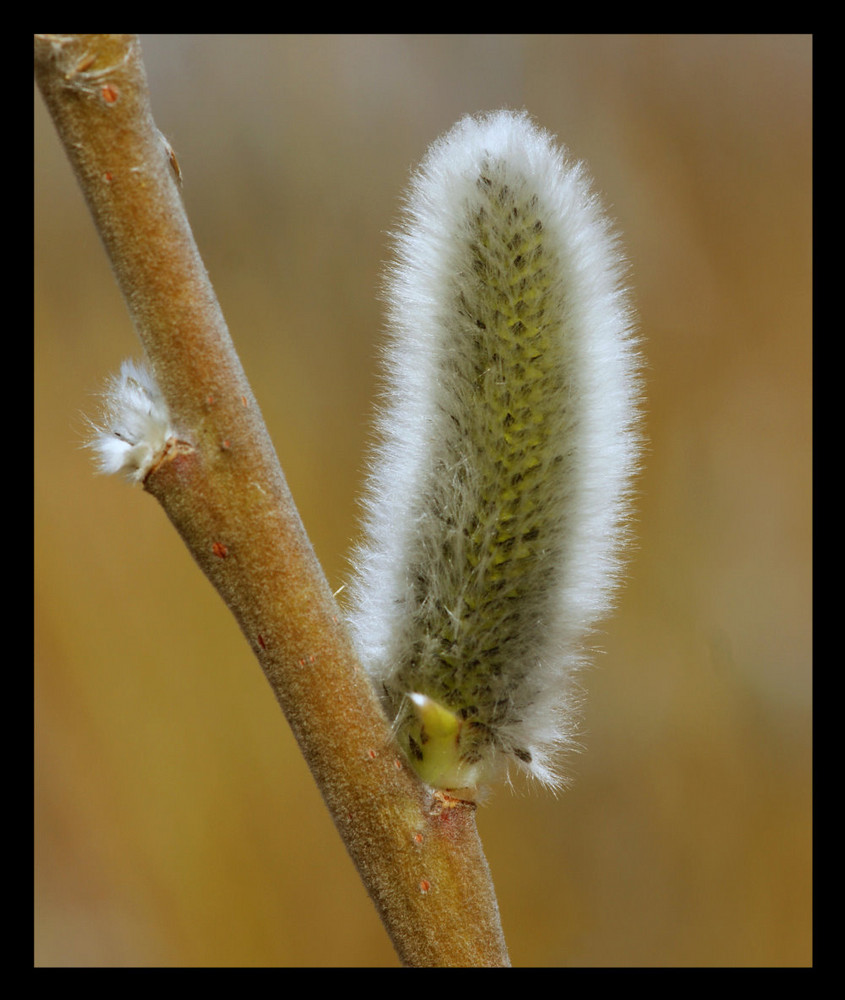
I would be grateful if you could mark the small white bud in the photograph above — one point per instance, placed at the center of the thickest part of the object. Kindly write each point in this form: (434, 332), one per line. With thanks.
(134, 429)
(497, 497)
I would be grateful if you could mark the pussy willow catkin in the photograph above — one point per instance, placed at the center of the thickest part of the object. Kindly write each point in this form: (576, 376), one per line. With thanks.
(497, 496)
(135, 428)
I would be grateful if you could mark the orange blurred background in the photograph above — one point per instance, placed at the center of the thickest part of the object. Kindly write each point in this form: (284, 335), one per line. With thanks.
(175, 822)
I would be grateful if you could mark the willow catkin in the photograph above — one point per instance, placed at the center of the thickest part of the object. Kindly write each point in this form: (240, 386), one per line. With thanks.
(134, 429)
(496, 508)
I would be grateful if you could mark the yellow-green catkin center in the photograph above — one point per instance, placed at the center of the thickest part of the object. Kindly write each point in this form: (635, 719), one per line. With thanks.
(489, 536)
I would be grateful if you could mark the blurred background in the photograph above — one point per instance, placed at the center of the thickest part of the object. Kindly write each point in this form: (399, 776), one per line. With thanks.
(175, 821)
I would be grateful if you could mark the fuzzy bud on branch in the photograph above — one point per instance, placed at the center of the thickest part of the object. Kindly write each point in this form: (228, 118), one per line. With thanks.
(134, 433)
(497, 499)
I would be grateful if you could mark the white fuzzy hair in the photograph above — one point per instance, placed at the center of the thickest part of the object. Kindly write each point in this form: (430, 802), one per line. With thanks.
(135, 426)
